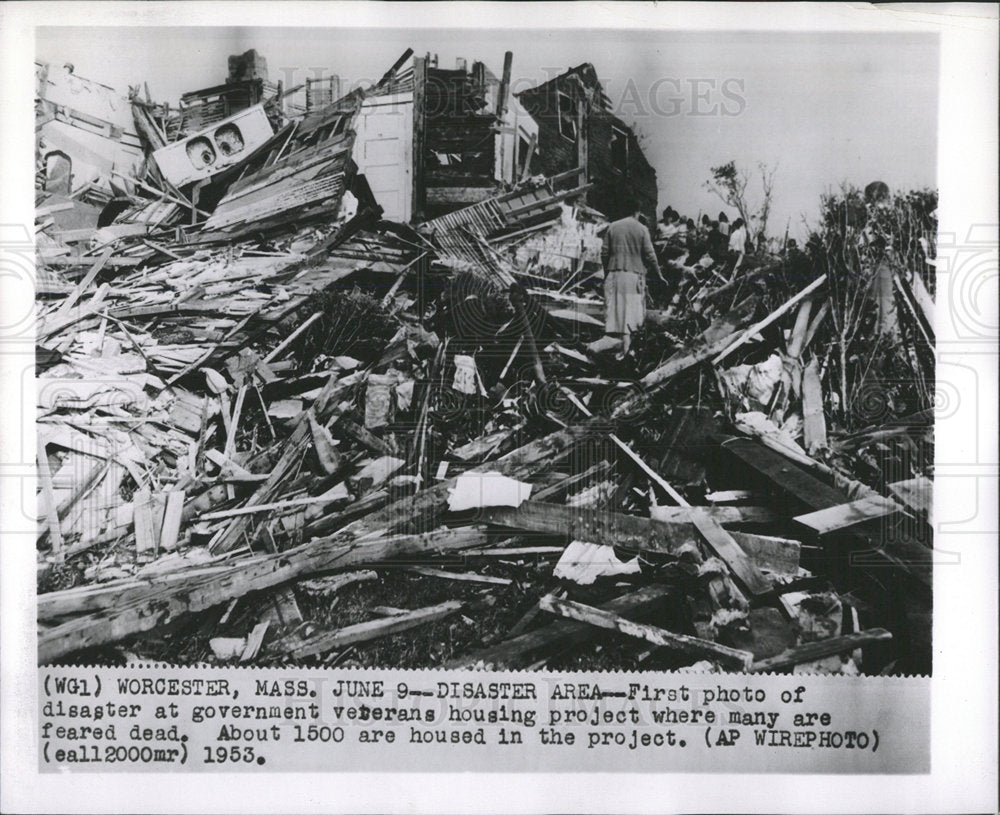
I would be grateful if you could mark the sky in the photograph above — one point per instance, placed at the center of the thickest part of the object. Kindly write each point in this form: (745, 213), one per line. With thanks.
(821, 108)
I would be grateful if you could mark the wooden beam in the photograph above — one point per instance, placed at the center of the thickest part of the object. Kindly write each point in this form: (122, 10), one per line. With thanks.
(173, 511)
(502, 93)
(80, 289)
(777, 555)
(122, 608)
(703, 649)
(820, 649)
(48, 494)
(917, 493)
(715, 338)
(723, 514)
(774, 315)
(526, 160)
(520, 650)
(281, 346)
(373, 629)
(803, 489)
(419, 123)
(254, 641)
(465, 577)
(813, 420)
(833, 519)
(722, 543)
(629, 532)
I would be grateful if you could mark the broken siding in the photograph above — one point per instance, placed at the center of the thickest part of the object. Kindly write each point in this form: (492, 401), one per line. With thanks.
(84, 123)
(554, 106)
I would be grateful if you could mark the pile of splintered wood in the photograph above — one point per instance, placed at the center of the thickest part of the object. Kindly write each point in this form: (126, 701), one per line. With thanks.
(347, 442)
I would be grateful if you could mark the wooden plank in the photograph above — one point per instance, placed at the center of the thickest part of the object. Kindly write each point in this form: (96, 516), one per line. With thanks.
(80, 289)
(714, 339)
(122, 608)
(508, 59)
(145, 540)
(722, 543)
(722, 514)
(703, 649)
(520, 650)
(366, 437)
(373, 629)
(419, 127)
(272, 507)
(172, 520)
(465, 577)
(594, 474)
(916, 493)
(821, 648)
(832, 519)
(629, 532)
(814, 422)
(255, 641)
(774, 315)
(517, 551)
(48, 494)
(777, 555)
(280, 347)
(800, 486)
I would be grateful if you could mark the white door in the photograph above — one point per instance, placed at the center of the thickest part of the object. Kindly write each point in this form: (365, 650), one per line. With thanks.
(382, 151)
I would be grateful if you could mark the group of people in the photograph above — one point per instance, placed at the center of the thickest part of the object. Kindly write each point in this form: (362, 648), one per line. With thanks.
(686, 242)
(629, 256)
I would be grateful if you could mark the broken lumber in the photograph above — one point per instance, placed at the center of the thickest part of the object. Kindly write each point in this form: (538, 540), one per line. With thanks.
(520, 650)
(814, 422)
(384, 627)
(916, 493)
(123, 608)
(466, 577)
(842, 516)
(821, 648)
(774, 315)
(630, 532)
(255, 641)
(722, 543)
(703, 649)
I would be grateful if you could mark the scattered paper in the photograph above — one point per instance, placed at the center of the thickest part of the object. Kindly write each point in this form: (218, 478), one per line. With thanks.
(584, 562)
(473, 490)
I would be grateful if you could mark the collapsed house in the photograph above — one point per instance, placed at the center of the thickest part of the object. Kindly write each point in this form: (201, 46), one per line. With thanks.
(576, 128)
(332, 389)
(85, 139)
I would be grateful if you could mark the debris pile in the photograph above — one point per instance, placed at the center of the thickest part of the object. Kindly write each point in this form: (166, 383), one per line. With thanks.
(277, 428)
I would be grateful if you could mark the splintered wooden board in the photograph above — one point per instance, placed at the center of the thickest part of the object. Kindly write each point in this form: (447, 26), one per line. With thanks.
(832, 519)
(916, 493)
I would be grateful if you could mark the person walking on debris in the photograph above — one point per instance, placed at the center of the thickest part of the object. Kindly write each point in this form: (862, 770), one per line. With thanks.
(627, 256)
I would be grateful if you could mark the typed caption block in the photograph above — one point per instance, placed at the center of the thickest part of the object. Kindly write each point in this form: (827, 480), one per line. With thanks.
(148, 719)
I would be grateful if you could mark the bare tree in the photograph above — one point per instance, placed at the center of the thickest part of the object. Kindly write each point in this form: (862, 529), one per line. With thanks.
(730, 184)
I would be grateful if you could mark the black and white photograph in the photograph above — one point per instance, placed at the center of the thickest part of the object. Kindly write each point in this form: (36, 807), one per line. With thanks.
(560, 389)
(509, 351)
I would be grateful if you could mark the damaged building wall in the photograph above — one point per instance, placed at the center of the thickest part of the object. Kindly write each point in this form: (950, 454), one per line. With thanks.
(84, 133)
(576, 129)
(246, 85)
(433, 140)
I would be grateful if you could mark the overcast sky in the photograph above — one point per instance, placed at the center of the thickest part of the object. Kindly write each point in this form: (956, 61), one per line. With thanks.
(825, 108)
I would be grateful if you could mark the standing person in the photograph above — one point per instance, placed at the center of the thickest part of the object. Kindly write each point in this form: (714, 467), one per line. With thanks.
(738, 242)
(627, 255)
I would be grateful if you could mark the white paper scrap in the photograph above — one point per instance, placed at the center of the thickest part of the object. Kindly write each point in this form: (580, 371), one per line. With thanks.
(473, 490)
